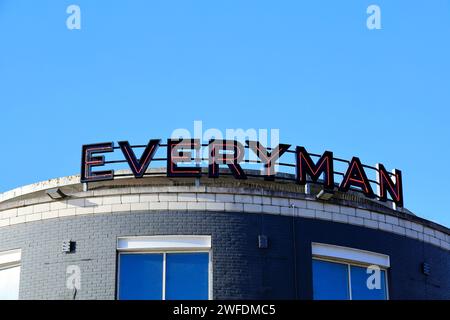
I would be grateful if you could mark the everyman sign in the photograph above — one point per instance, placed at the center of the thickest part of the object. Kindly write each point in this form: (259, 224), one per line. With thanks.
(183, 160)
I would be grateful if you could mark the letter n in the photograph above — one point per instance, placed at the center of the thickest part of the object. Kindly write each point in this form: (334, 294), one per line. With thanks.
(387, 185)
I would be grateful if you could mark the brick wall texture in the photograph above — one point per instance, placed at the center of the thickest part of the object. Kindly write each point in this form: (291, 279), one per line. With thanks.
(240, 269)
(234, 217)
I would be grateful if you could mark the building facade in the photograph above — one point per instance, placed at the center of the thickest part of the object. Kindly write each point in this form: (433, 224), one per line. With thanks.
(185, 238)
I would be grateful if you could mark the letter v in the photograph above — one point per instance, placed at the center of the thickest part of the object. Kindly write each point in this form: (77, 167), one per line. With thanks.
(139, 166)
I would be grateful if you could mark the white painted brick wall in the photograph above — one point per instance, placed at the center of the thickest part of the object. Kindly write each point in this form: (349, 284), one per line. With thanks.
(25, 211)
(103, 209)
(66, 212)
(348, 211)
(50, 214)
(178, 205)
(338, 217)
(17, 220)
(324, 215)
(378, 217)
(254, 208)
(417, 227)
(215, 206)
(411, 233)
(297, 203)
(141, 206)
(332, 208)
(112, 200)
(257, 200)
(196, 205)
(187, 198)
(385, 226)
(84, 211)
(42, 207)
(356, 220)
(4, 223)
(58, 205)
(371, 223)
(271, 209)
(280, 202)
(435, 241)
(159, 205)
(243, 198)
(305, 213)
(130, 198)
(148, 198)
(428, 231)
(363, 214)
(286, 211)
(8, 213)
(404, 223)
(94, 202)
(76, 203)
(33, 217)
(207, 197)
(439, 235)
(234, 207)
(399, 230)
(227, 198)
(315, 205)
(168, 197)
(124, 207)
(391, 220)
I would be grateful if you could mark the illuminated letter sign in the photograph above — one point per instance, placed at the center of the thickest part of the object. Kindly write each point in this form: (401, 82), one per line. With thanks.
(139, 166)
(269, 159)
(356, 176)
(176, 153)
(385, 183)
(184, 160)
(88, 161)
(231, 159)
(306, 167)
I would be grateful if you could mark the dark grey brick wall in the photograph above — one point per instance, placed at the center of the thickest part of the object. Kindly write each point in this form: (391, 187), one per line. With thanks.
(405, 277)
(241, 270)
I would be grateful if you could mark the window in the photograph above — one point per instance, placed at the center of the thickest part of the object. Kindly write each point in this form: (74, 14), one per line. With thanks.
(341, 273)
(10, 274)
(330, 281)
(360, 290)
(187, 276)
(164, 268)
(141, 276)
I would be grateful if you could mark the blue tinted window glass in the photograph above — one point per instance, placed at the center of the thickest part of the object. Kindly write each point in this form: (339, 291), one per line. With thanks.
(360, 290)
(187, 276)
(140, 276)
(330, 280)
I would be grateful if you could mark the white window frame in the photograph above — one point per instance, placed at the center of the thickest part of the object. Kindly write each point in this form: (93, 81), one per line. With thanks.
(351, 257)
(350, 254)
(165, 245)
(11, 259)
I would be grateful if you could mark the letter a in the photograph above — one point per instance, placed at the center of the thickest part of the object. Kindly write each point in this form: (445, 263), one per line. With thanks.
(374, 20)
(74, 20)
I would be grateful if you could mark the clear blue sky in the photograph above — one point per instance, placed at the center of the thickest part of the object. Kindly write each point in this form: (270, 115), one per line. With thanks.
(310, 68)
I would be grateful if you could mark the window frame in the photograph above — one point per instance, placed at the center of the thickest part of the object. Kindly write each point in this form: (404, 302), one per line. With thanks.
(5, 266)
(164, 252)
(12, 259)
(346, 256)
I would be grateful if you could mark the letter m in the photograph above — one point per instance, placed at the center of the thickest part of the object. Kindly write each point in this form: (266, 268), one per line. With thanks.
(306, 167)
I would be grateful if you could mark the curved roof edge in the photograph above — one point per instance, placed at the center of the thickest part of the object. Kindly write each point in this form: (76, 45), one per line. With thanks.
(351, 199)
